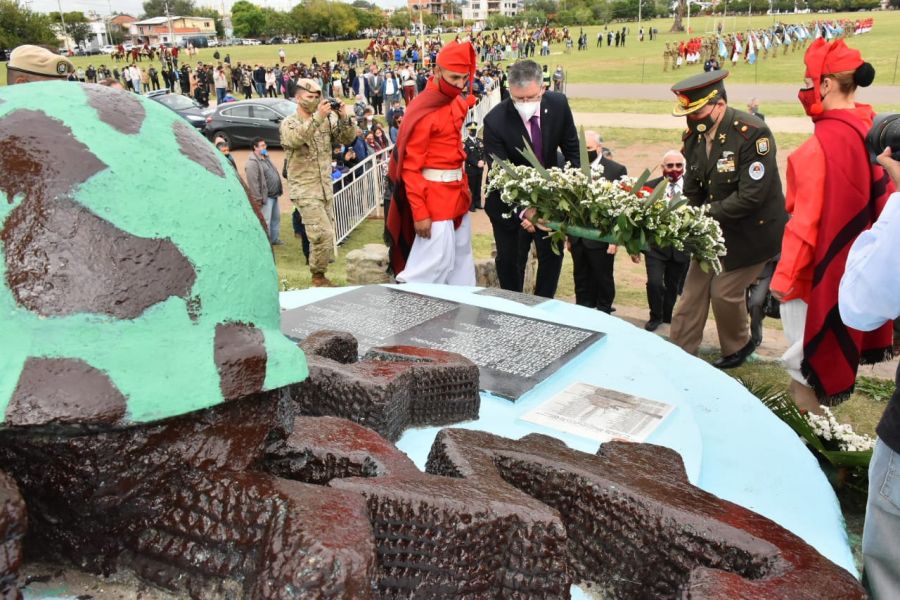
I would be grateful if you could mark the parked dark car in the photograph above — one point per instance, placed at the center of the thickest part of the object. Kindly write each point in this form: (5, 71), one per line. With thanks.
(241, 122)
(184, 106)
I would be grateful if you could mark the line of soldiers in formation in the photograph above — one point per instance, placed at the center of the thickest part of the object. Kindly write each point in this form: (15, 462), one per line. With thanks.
(749, 45)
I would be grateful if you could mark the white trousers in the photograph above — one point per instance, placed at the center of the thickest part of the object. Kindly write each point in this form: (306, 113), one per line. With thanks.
(793, 321)
(445, 257)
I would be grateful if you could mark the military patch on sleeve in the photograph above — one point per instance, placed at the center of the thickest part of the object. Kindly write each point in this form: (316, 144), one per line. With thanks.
(757, 170)
(762, 146)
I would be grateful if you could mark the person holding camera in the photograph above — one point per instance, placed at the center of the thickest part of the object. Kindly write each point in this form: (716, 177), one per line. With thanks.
(308, 137)
(833, 195)
(869, 296)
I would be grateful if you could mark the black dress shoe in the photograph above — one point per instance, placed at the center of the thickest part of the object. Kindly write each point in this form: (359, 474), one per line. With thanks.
(652, 324)
(737, 359)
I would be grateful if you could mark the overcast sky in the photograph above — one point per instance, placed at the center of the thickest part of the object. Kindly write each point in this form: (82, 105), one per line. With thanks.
(135, 7)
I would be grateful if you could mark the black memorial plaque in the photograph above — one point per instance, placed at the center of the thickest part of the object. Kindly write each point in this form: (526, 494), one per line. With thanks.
(513, 353)
(526, 299)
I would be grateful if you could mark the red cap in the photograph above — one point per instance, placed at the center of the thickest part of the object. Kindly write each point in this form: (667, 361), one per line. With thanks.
(823, 58)
(458, 57)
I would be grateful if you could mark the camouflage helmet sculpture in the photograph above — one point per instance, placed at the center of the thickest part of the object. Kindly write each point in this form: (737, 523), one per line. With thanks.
(137, 281)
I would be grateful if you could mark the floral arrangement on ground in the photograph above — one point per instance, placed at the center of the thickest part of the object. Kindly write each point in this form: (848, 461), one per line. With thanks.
(843, 454)
(580, 202)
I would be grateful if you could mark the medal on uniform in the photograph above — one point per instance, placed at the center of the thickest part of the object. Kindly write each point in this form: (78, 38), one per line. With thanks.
(726, 163)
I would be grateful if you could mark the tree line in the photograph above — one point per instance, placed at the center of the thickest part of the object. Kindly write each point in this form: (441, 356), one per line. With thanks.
(334, 19)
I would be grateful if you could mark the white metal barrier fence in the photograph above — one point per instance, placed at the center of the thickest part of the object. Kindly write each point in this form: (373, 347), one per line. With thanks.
(362, 189)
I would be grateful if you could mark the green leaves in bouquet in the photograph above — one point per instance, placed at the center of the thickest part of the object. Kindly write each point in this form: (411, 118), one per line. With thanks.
(641, 182)
(504, 164)
(532, 158)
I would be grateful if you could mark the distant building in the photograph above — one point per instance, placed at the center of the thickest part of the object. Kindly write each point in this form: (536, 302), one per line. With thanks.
(480, 10)
(159, 30)
(120, 26)
(435, 7)
(95, 39)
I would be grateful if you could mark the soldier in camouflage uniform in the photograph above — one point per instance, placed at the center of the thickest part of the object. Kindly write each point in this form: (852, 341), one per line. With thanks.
(667, 54)
(308, 138)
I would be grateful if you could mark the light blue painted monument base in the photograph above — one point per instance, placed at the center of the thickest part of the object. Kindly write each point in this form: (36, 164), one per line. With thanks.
(732, 445)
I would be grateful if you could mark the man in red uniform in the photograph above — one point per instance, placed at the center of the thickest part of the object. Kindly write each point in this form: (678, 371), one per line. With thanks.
(428, 219)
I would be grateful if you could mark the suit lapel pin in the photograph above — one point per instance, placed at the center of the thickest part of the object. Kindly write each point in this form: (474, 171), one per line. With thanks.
(721, 138)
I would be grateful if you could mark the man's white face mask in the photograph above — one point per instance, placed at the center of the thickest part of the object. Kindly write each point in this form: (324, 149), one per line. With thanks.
(527, 109)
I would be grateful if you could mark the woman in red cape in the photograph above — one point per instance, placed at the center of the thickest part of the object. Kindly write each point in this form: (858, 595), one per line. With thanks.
(833, 194)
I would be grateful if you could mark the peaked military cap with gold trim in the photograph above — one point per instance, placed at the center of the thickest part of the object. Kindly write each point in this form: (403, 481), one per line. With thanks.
(696, 92)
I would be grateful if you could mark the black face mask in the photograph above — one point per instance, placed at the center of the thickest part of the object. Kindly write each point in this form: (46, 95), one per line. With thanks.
(702, 125)
(592, 156)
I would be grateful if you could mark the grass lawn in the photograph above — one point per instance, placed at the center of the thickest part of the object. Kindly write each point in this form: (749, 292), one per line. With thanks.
(293, 271)
(637, 62)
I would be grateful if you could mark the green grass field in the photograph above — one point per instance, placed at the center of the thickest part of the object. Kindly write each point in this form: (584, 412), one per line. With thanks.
(637, 62)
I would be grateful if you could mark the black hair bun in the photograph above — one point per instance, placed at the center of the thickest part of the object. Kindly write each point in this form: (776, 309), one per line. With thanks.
(864, 75)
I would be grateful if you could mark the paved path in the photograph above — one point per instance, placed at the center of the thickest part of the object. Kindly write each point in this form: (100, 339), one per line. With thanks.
(663, 121)
(738, 93)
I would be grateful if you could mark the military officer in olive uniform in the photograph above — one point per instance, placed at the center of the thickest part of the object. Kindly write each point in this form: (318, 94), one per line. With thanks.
(308, 138)
(474, 164)
(731, 169)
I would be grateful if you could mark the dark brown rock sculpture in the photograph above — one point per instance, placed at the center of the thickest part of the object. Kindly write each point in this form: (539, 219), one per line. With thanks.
(391, 389)
(638, 529)
(12, 530)
(223, 503)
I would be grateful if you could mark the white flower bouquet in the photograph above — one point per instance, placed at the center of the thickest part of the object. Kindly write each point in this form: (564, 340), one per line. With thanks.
(837, 436)
(581, 203)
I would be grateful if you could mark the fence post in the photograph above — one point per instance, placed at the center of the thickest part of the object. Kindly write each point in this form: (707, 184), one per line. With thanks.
(643, 62)
(896, 60)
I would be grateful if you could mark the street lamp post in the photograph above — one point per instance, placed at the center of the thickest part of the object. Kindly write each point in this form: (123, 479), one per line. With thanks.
(63, 21)
(689, 16)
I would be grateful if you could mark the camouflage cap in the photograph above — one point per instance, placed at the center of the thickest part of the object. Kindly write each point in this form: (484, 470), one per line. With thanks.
(309, 85)
(35, 60)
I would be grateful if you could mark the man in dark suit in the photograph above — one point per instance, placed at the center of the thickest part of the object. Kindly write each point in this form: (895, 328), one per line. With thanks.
(544, 121)
(592, 261)
(666, 267)
(731, 168)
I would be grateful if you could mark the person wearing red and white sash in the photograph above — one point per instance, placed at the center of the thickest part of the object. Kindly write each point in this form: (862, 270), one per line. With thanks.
(428, 225)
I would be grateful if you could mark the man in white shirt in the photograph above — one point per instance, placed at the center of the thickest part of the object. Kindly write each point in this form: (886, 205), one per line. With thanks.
(666, 267)
(869, 296)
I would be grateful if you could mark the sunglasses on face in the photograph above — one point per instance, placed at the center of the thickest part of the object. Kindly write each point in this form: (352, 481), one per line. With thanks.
(673, 165)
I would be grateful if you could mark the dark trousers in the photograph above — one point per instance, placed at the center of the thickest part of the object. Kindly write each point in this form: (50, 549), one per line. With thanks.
(377, 103)
(300, 231)
(757, 295)
(474, 177)
(513, 246)
(507, 240)
(665, 280)
(595, 286)
(549, 262)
